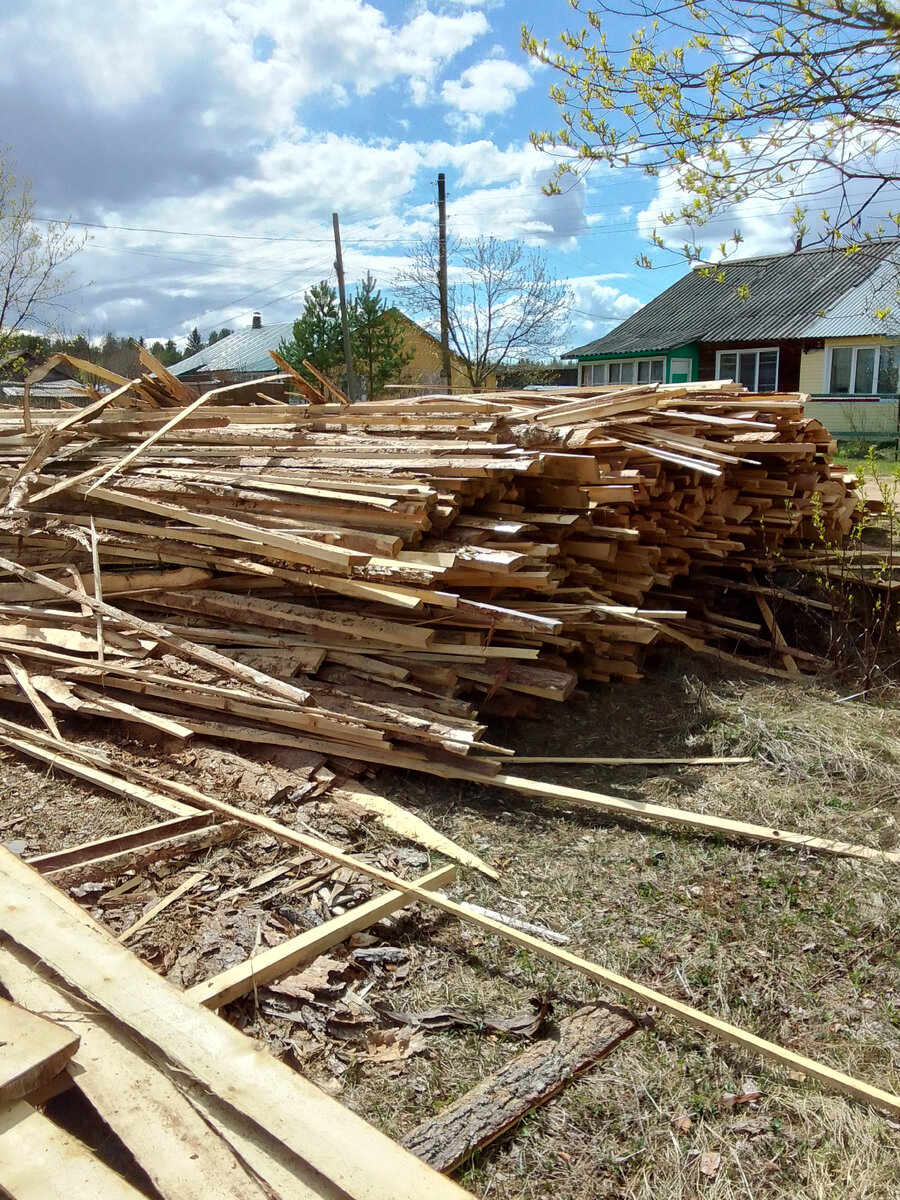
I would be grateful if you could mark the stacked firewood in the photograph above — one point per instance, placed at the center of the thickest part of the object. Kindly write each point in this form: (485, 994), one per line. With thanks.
(366, 580)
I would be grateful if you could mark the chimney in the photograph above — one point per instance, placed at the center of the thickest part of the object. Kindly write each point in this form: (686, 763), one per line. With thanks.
(257, 321)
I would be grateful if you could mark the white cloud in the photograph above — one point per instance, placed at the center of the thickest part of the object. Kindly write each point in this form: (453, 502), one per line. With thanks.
(257, 119)
(763, 219)
(502, 193)
(491, 86)
(598, 306)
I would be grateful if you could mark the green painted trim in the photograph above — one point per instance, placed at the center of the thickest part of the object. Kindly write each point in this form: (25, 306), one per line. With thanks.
(690, 351)
(592, 358)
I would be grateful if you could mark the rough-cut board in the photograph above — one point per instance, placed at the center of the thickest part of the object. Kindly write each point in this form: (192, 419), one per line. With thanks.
(33, 1051)
(334, 1142)
(500, 1101)
(40, 1161)
(113, 855)
(184, 1158)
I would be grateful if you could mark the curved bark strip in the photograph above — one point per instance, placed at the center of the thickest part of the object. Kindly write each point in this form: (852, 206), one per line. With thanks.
(535, 1076)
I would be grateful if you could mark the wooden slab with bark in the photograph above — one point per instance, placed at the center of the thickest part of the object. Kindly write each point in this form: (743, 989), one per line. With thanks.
(536, 1075)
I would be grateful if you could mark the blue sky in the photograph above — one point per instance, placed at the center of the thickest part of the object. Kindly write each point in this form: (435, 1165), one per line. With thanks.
(212, 142)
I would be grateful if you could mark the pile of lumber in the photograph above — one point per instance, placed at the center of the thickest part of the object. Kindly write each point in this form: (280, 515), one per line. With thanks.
(365, 581)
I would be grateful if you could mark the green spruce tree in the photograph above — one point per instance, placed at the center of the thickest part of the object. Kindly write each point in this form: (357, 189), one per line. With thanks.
(376, 337)
(317, 335)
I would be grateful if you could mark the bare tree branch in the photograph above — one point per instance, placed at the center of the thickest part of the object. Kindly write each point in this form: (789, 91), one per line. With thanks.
(503, 302)
(32, 255)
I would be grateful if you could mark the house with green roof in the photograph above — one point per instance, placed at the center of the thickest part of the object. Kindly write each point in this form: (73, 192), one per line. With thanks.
(821, 321)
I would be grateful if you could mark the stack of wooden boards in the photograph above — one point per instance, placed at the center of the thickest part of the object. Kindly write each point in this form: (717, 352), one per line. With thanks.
(363, 581)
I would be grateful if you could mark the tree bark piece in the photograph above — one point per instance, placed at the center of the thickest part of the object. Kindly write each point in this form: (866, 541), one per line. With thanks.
(535, 1076)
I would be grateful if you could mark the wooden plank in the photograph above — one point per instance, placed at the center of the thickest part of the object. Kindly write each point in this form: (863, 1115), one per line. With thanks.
(32, 1051)
(181, 1154)
(312, 553)
(268, 964)
(128, 712)
(100, 778)
(182, 1033)
(98, 592)
(179, 390)
(101, 848)
(497, 1104)
(790, 663)
(20, 675)
(305, 389)
(400, 820)
(40, 1161)
(638, 809)
(285, 1173)
(181, 845)
(162, 904)
(711, 761)
(154, 437)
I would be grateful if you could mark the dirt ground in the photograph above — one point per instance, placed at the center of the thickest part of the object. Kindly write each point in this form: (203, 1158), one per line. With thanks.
(798, 947)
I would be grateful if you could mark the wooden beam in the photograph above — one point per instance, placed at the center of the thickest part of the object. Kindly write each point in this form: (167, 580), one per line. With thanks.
(262, 968)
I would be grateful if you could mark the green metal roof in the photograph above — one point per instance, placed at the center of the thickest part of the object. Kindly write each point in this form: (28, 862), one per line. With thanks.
(786, 294)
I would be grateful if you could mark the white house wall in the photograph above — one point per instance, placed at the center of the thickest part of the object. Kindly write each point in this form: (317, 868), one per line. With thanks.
(855, 418)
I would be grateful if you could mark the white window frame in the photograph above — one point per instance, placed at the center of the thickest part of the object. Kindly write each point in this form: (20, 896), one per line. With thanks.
(876, 346)
(607, 362)
(757, 350)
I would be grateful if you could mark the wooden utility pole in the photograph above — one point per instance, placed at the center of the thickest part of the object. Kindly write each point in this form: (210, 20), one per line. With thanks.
(345, 324)
(442, 279)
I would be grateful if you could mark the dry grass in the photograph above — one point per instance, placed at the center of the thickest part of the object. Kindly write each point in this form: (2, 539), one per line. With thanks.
(797, 947)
